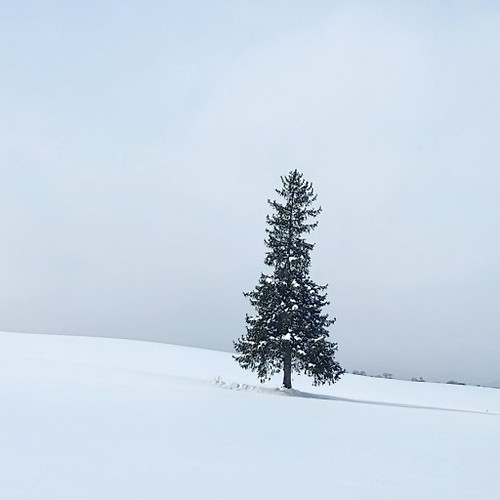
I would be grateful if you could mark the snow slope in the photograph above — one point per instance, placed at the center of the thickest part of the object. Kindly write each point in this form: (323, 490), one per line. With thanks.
(87, 418)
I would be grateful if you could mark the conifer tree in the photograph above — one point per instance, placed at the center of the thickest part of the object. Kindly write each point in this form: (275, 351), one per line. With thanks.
(289, 331)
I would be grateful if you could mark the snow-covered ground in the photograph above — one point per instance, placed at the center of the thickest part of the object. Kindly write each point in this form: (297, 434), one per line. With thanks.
(91, 419)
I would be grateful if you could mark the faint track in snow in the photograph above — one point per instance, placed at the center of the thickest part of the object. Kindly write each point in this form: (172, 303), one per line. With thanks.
(235, 386)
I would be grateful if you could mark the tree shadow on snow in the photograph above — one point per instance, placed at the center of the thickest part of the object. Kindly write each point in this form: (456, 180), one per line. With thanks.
(235, 386)
(311, 395)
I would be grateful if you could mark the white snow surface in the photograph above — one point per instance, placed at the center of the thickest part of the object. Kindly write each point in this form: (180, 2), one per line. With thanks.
(90, 418)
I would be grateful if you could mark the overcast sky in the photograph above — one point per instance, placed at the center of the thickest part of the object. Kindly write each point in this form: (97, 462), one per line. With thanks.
(140, 141)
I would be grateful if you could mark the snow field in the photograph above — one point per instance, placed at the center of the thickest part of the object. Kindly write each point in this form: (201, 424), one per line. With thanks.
(87, 418)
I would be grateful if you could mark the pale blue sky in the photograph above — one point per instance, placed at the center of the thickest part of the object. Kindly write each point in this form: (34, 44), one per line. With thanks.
(141, 140)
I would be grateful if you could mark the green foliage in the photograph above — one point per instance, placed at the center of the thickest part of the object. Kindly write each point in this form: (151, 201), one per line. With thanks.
(289, 330)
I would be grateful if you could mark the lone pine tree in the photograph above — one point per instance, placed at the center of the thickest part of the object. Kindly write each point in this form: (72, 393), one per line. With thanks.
(289, 331)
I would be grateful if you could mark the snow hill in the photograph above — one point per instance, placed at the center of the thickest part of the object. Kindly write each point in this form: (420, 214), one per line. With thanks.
(102, 419)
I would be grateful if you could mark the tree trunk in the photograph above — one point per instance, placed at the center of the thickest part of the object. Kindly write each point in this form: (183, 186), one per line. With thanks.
(287, 354)
(287, 368)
